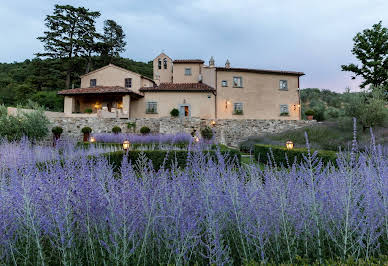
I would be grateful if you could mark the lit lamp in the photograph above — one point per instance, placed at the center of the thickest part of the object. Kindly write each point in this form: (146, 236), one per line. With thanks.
(126, 145)
(196, 139)
(289, 145)
(92, 140)
(213, 123)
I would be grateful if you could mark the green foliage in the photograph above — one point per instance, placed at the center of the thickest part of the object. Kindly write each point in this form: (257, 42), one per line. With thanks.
(86, 130)
(240, 112)
(48, 99)
(207, 133)
(88, 111)
(167, 158)
(116, 129)
(113, 40)
(145, 130)
(368, 108)
(309, 112)
(284, 114)
(279, 154)
(174, 112)
(371, 49)
(57, 130)
(33, 125)
(131, 125)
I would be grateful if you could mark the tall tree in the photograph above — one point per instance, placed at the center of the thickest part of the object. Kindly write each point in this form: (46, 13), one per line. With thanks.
(371, 49)
(71, 33)
(113, 42)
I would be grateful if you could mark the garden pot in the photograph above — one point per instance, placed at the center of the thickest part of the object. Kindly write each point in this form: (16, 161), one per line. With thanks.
(86, 137)
(310, 117)
(55, 139)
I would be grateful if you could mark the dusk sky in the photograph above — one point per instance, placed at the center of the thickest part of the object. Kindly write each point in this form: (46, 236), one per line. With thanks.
(302, 35)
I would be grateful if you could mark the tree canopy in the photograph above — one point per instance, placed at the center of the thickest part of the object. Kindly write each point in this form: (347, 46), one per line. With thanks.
(371, 49)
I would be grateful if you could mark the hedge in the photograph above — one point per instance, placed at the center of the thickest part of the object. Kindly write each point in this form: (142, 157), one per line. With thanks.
(158, 157)
(86, 145)
(279, 154)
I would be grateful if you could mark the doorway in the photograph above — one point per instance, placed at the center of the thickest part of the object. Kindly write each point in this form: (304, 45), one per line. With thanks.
(184, 110)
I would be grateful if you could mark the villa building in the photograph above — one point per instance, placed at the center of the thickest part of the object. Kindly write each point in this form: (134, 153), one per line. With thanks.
(195, 89)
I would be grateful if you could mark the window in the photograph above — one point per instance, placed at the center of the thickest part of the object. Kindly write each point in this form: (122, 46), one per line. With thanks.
(93, 83)
(284, 109)
(224, 83)
(238, 109)
(187, 71)
(152, 108)
(237, 82)
(283, 85)
(159, 64)
(128, 83)
(165, 63)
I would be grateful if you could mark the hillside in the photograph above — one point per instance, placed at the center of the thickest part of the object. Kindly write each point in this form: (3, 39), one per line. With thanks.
(39, 80)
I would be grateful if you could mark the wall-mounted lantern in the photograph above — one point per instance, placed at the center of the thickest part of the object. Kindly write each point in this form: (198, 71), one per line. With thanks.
(213, 123)
(289, 145)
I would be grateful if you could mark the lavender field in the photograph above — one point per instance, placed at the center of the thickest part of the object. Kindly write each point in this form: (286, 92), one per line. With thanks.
(82, 212)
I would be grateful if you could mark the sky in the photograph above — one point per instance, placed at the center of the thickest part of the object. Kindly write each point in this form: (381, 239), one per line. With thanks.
(314, 37)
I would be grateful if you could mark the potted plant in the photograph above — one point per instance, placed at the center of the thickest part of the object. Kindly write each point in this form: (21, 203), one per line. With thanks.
(116, 130)
(145, 130)
(86, 131)
(88, 111)
(207, 133)
(310, 114)
(57, 131)
(174, 112)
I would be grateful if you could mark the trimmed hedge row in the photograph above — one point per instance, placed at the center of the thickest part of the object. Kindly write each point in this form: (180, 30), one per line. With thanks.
(158, 157)
(279, 154)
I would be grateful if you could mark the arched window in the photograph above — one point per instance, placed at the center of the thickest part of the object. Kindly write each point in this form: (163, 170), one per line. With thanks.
(159, 64)
(165, 63)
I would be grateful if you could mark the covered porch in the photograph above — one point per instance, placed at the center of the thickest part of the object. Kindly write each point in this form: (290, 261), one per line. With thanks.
(104, 102)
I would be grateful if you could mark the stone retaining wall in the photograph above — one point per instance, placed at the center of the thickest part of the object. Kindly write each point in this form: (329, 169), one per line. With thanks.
(228, 131)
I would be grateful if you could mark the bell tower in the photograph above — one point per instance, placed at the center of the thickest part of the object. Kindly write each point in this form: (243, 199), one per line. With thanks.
(162, 65)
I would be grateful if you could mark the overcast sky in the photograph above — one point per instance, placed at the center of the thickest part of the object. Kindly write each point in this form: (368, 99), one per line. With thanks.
(302, 35)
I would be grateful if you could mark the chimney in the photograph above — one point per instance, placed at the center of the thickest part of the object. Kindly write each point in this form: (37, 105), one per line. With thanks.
(211, 62)
(227, 64)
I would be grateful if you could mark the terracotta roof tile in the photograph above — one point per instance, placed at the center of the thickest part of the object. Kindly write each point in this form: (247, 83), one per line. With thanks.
(98, 90)
(261, 71)
(192, 87)
(192, 61)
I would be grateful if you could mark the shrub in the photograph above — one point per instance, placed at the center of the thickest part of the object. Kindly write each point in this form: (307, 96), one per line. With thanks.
(262, 151)
(174, 112)
(116, 129)
(88, 111)
(168, 158)
(284, 114)
(145, 130)
(33, 125)
(309, 112)
(57, 130)
(131, 125)
(86, 130)
(207, 133)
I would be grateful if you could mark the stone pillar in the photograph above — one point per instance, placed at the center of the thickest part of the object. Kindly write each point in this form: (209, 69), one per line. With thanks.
(127, 105)
(69, 105)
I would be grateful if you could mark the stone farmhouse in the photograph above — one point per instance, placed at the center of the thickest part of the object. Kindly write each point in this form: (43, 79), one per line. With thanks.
(195, 89)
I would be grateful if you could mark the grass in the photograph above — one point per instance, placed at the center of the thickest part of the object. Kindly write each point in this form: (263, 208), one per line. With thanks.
(327, 135)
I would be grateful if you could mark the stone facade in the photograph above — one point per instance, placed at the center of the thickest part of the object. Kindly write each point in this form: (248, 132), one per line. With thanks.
(227, 131)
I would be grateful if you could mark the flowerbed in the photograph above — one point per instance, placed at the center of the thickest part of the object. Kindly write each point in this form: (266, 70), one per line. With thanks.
(179, 138)
(83, 212)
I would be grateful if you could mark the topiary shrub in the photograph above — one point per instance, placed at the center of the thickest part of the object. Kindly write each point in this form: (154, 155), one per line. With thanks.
(207, 133)
(57, 131)
(145, 130)
(88, 111)
(174, 112)
(309, 112)
(116, 129)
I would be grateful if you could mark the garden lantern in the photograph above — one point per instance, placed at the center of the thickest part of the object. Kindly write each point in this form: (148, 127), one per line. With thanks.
(213, 123)
(196, 139)
(92, 140)
(126, 145)
(289, 145)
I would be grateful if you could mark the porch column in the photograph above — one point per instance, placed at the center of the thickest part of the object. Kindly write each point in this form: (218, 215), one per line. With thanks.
(127, 105)
(69, 105)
